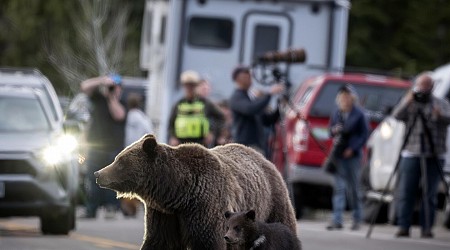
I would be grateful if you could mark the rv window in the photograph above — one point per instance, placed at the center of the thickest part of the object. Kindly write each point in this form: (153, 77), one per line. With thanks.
(148, 22)
(163, 30)
(210, 32)
(266, 38)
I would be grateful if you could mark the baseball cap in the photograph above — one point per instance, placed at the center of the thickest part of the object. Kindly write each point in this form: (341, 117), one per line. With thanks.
(347, 88)
(239, 69)
(190, 77)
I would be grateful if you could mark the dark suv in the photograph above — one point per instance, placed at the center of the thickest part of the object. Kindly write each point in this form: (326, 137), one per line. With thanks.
(38, 160)
(307, 140)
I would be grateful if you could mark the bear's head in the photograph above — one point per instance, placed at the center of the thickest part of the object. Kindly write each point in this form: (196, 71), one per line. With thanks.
(240, 226)
(132, 168)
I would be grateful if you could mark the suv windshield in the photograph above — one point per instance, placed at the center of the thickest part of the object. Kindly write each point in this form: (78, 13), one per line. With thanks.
(21, 115)
(375, 99)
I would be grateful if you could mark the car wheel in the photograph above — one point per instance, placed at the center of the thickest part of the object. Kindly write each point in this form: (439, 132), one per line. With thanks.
(370, 206)
(447, 220)
(59, 224)
(297, 201)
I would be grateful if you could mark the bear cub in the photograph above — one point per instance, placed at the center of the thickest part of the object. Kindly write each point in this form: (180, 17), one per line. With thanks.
(247, 233)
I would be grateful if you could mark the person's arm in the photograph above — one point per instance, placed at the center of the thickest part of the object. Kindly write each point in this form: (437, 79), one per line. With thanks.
(241, 104)
(442, 112)
(215, 115)
(401, 110)
(90, 85)
(116, 109)
(173, 114)
(358, 141)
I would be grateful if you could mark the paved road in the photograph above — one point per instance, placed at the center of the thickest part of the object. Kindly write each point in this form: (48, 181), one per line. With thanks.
(121, 233)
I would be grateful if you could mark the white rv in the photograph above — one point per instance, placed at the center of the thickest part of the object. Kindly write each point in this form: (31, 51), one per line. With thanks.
(213, 36)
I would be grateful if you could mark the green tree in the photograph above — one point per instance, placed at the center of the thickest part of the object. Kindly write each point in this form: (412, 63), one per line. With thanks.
(404, 36)
(29, 27)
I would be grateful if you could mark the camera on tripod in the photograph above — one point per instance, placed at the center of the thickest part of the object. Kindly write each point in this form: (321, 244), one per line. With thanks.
(288, 56)
(421, 96)
(266, 68)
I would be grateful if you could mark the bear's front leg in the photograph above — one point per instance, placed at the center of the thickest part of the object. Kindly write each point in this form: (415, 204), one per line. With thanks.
(203, 232)
(162, 231)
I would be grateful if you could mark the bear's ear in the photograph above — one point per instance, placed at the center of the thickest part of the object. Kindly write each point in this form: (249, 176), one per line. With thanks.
(250, 215)
(149, 144)
(228, 214)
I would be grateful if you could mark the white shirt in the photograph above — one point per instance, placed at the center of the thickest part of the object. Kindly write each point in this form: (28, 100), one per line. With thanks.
(137, 125)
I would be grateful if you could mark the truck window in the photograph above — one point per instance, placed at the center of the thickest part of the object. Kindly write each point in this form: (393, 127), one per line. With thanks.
(266, 38)
(162, 34)
(374, 98)
(210, 32)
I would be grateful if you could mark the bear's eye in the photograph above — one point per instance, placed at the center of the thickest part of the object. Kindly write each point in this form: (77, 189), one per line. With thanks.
(237, 229)
(228, 228)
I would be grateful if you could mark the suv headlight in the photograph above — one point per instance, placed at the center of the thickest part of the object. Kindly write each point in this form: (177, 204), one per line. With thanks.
(61, 151)
(386, 131)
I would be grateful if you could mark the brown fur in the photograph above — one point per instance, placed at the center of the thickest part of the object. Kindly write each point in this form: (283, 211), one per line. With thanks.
(186, 190)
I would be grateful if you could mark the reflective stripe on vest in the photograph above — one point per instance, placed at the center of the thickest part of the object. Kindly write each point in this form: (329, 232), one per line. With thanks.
(191, 121)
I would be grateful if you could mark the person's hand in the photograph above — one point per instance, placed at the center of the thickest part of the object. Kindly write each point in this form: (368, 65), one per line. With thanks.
(106, 81)
(348, 153)
(174, 141)
(276, 89)
(336, 129)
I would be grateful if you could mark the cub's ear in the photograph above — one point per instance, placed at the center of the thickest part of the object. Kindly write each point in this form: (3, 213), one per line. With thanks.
(149, 144)
(228, 214)
(250, 215)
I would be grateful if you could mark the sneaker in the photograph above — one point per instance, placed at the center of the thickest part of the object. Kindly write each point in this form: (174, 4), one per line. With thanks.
(402, 233)
(87, 216)
(110, 213)
(427, 234)
(334, 226)
(355, 227)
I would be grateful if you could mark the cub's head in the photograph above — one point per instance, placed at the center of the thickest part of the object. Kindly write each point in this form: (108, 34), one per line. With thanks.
(239, 226)
(132, 168)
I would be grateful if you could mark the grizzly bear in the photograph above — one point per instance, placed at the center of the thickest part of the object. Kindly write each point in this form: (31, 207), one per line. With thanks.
(247, 233)
(186, 189)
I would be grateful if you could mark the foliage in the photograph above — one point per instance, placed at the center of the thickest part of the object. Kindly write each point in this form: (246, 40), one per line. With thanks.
(29, 28)
(404, 36)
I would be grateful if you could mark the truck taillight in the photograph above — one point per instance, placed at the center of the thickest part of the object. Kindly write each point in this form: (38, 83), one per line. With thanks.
(300, 137)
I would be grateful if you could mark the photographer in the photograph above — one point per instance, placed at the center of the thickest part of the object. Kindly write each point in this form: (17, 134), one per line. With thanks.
(249, 110)
(349, 128)
(436, 112)
(105, 138)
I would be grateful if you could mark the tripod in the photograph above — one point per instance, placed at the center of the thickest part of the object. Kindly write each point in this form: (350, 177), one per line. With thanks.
(426, 132)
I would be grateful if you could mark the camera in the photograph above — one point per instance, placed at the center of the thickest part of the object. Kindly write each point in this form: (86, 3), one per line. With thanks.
(117, 79)
(422, 97)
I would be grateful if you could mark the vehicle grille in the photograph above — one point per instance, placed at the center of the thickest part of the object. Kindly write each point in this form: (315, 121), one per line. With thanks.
(16, 167)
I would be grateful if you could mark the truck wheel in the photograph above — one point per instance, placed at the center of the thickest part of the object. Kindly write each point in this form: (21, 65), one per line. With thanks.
(58, 224)
(297, 201)
(370, 206)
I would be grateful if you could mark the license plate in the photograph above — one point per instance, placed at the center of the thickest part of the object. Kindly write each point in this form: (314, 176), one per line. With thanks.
(2, 189)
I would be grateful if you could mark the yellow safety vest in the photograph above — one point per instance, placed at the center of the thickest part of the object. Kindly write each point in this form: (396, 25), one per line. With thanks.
(191, 121)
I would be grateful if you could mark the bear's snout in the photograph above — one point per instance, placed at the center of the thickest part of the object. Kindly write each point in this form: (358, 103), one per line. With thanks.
(97, 174)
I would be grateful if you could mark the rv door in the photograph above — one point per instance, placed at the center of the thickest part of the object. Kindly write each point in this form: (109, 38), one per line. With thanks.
(262, 32)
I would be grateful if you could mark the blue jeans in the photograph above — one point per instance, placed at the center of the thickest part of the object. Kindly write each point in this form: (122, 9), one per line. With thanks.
(97, 196)
(408, 185)
(347, 182)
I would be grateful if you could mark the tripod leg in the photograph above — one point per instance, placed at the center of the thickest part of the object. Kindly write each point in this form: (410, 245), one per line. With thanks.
(386, 188)
(426, 208)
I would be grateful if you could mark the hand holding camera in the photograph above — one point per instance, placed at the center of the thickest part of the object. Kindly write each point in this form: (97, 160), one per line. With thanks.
(336, 129)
